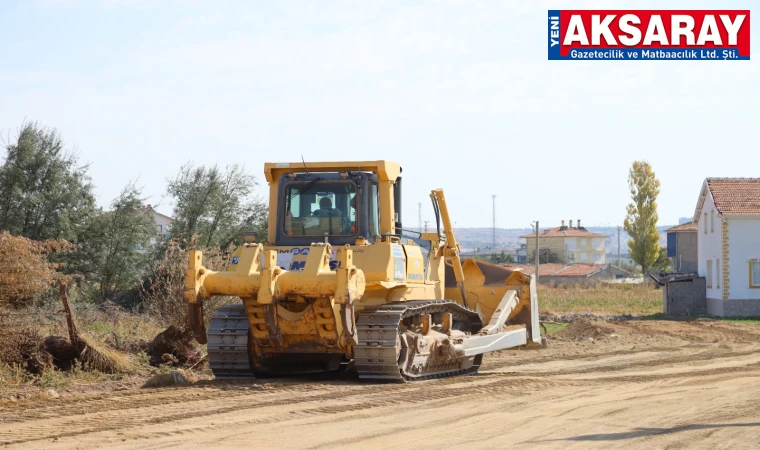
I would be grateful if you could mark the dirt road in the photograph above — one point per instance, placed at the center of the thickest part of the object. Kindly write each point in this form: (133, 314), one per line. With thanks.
(639, 384)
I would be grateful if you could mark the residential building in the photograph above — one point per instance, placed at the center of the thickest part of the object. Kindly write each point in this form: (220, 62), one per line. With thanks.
(521, 254)
(570, 244)
(682, 247)
(577, 273)
(163, 223)
(728, 249)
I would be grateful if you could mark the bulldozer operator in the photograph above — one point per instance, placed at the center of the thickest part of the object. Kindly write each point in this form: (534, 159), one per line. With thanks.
(326, 209)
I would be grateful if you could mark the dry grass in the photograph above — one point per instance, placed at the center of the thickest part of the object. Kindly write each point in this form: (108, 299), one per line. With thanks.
(98, 356)
(115, 341)
(26, 271)
(601, 299)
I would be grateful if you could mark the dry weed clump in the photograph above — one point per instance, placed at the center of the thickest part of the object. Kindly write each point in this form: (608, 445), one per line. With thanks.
(26, 271)
(163, 295)
(96, 355)
(600, 298)
(93, 354)
(22, 346)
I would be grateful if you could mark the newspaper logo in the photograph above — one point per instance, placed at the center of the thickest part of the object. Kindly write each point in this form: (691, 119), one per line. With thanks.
(649, 35)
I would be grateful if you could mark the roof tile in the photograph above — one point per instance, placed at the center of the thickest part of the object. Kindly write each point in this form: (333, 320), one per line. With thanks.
(736, 196)
(564, 232)
(689, 226)
(558, 270)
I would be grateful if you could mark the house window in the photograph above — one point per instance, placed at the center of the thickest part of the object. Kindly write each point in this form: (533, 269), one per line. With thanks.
(754, 274)
(705, 223)
(158, 228)
(583, 242)
(584, 257)
(717, 273)
(712, 221)
(708, 272)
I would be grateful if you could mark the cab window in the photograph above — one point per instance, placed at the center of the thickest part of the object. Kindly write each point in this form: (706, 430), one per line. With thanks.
(316, 209)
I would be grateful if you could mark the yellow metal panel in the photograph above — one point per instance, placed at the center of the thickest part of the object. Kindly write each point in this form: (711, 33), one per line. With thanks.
(386, 170)
(415, 264)
(273, 211)
(375, 261)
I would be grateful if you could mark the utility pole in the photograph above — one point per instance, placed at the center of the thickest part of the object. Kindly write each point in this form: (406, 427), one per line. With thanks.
(618, 230)
(426, 225)
(493, 200)
(538, 257)
(419, 213)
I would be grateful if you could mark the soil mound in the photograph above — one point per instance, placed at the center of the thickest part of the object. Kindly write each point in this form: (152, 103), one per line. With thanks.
(172, 378)
(174, 346)
(584, 329)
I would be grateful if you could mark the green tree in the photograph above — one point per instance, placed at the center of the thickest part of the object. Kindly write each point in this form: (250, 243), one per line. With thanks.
(44, 192)
(663, 263)
(215, 205)
(116, 248)
(502, 258)
(546, 257)
(641, 219)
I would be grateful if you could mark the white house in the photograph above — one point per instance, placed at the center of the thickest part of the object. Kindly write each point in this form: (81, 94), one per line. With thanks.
(163, 222)
(728, 245)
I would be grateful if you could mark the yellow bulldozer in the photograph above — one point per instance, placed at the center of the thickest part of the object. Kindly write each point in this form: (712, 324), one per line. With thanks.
(338, 284)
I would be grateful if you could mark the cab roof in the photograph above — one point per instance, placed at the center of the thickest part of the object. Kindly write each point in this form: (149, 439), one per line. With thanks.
(385, 170)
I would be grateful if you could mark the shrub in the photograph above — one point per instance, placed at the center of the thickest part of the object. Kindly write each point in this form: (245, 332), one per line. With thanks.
(26, 271)
(22, 346)
(163, 293)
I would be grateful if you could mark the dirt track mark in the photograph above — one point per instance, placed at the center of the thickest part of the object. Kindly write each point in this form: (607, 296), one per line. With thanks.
(570, 395)
(153, 411)
(708, 355)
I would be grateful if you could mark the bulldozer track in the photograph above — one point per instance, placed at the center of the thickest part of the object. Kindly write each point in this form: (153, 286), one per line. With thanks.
(228, 343)
(376, 355)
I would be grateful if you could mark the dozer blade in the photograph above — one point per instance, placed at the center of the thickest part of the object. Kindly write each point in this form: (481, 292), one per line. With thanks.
(477, 345)
(501, 297)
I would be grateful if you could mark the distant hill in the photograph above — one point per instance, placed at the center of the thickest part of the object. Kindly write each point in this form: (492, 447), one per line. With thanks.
(472, 238)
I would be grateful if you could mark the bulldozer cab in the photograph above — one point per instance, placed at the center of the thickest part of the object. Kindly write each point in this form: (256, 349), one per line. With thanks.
(316, 204)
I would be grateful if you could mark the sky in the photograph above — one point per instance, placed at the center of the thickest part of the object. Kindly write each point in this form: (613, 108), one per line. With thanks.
(459, 92)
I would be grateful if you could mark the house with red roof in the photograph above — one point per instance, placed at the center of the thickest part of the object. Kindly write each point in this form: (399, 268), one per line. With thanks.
(682, 247)
(576, 273)
(727, 216)
(569, 243)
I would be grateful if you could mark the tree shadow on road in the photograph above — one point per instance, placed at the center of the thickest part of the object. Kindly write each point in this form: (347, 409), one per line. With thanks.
(641, 432)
